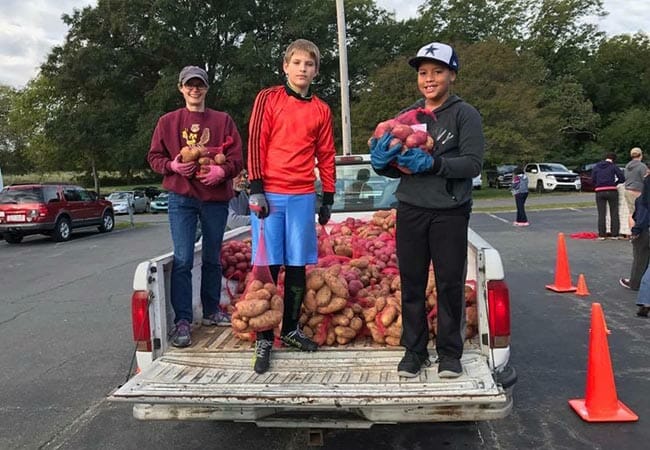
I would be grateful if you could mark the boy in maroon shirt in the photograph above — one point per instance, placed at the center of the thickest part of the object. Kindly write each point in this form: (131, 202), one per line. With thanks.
(196, 196)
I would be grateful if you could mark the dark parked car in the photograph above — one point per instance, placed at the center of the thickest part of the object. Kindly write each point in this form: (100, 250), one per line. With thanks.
(584, 171)
(500, 176)
(51, 209)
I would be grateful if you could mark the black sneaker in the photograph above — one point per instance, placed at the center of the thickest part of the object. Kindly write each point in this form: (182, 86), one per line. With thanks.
(262, 357)
(297, 339)
(625, 282)
(449, 367)
(411, 364)
(181, 336)
(643, 311)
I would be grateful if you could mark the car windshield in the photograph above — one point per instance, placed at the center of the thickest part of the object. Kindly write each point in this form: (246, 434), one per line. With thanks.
(162, 196)
(553, 168)
(118, 196)
(360, 188)
(21, 195)
(506, 168)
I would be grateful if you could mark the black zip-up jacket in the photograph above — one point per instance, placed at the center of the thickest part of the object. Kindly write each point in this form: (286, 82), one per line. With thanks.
(457, 158)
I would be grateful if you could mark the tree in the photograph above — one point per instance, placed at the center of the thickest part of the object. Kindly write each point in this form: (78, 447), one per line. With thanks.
(10, 158)
(618, 76)
(476, 20)
(626, 130)
(560, 35)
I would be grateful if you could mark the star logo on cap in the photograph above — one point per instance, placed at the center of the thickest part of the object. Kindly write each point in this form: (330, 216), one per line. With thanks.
(430, 50)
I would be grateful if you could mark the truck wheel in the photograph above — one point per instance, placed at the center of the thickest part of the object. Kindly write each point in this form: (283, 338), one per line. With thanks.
(108, 223)
(62, 230)
(13, 238)
(540, 187)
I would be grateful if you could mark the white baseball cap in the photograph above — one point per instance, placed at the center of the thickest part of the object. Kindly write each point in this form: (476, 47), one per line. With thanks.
(436, 51)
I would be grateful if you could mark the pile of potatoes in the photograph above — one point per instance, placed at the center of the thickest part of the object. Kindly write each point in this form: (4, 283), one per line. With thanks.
(259, 309)
(347, 298)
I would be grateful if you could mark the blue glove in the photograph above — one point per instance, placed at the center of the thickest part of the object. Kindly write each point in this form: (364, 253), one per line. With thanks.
(258, 205)
(380, 154)
(415, 160)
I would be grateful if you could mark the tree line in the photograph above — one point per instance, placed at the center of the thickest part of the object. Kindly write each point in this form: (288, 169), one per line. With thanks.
(549, 84)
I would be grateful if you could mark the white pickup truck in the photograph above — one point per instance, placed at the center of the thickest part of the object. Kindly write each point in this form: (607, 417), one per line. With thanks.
(353, 386)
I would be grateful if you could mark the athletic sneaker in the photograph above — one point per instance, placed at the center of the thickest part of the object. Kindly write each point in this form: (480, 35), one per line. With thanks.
(643, 311)
(297, 339)
(221, 319)
(601, 238)
(625, 282)
(449, 367)
(262, 356)
(181, 336)
(411, 364)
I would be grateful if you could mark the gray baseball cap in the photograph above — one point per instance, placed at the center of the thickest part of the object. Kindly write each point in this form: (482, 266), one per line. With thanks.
(190, 72)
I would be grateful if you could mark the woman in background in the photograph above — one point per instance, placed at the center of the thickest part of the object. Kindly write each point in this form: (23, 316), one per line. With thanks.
(519, 189)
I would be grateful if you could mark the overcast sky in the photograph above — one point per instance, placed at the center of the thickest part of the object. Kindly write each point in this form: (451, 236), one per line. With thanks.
(30, 28)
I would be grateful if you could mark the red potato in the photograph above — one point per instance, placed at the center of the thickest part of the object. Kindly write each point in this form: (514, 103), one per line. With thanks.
(383, 128)
(401, 131)
(416, 139)
(428, 145)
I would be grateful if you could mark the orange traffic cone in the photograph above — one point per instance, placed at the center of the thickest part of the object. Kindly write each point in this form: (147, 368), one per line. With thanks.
(601, 402)
(582, 286)
(562, 271)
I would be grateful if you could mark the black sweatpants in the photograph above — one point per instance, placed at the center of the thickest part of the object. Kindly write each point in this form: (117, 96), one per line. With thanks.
(425, 236)
(604, 198)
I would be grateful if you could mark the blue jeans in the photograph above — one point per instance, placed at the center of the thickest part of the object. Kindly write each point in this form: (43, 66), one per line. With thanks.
(184, 212)
(643, 299)
(520, 201)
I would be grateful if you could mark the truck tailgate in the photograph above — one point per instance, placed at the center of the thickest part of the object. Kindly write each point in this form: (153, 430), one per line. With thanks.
(213, 379)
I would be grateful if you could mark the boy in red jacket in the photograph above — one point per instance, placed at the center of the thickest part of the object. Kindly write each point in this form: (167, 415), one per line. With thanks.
(290, 134)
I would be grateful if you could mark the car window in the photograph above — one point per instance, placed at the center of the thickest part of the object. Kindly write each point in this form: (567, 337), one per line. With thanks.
(84, 195)
(378, 192)
(118, 196)
(50, 193)
(22, 195)
(71, 195)
(552, 168)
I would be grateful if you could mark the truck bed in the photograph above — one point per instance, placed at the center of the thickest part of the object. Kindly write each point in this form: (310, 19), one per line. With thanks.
(213, 379)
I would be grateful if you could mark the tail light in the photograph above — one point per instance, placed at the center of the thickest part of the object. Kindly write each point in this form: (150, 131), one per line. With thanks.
(140, 319)
(499, 313)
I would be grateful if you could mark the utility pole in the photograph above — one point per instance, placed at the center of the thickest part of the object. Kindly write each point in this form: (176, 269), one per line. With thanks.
(343, 69)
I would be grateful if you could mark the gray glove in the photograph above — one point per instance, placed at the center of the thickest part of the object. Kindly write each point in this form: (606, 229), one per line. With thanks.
(258, 205)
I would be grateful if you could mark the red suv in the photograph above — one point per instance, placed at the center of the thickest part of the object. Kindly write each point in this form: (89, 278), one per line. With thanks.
(51, 209)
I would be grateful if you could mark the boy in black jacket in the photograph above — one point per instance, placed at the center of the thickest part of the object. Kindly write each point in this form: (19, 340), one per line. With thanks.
(435, 202)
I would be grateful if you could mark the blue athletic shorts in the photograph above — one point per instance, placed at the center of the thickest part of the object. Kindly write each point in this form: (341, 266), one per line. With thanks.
(289, 230)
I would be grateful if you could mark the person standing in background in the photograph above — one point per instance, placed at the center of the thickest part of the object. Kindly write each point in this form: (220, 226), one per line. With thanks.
(640, 238)
(634, 172)
(193, 197)
(519, 190)
(238, 211)
(606, 175)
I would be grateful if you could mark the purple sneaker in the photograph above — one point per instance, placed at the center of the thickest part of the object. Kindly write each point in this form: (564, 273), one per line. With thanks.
(181, 336)
(221, 319)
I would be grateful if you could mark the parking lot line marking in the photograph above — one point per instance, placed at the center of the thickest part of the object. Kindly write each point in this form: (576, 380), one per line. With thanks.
(499, 218)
